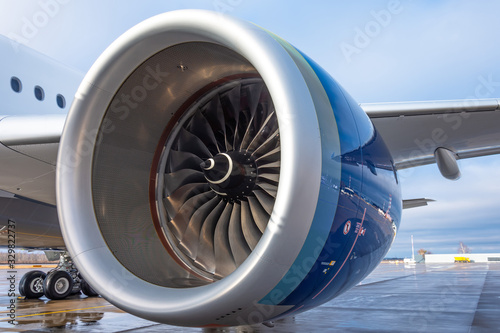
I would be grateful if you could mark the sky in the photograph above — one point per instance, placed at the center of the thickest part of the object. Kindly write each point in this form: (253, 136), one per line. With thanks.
(379, 51)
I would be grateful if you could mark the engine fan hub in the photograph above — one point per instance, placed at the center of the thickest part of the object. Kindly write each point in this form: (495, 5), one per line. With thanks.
(231, 175)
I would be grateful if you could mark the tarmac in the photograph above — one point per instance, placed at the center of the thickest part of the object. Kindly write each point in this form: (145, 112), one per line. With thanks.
(394, 298)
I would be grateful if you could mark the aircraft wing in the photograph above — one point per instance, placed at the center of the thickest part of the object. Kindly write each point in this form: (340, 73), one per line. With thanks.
(28, 154)
(414, 131)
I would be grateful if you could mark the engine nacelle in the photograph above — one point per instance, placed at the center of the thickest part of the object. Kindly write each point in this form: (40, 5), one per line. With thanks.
(210, 174)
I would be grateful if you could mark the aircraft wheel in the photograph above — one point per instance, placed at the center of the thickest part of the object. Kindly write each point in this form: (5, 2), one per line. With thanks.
(31, 284)
(87, 289)
(58, 285)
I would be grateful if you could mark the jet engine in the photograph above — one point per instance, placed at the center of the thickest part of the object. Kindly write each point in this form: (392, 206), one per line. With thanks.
(211, 174)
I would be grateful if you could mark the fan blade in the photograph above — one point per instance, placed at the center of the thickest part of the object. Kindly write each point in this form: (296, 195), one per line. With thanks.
(271, 143)
(189, 142)
(178, 160)
(269, 177)
(253, 127)
(272, 156)
(250, 230)
(252, 93)
(206, 254)
(259, 214)
(230, 102)
(180, 221)
(271, 166)
(215, 116)
(239, 247)
(200, 127)
(224, 259)
(268, 126)
(174, 201)
(180, 178)
(266, 201)
(190, 239)
(269, 188)
(248, 105)
(249, 134)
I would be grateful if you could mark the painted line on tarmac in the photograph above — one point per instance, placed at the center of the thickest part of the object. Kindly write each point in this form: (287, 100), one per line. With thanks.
(46, 313)
(23, 266)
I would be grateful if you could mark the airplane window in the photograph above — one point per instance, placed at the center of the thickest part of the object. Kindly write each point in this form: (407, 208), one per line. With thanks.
(16, 85)
(61, 101)
(39, 93)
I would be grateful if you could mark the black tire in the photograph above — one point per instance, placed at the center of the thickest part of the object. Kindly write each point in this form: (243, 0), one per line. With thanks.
(87, 289)
(58, 285)
(31, 284)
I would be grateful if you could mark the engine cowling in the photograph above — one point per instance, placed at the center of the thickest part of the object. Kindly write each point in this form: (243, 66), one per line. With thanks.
(210, 174)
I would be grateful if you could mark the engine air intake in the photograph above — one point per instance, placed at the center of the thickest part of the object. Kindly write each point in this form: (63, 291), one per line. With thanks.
(218, 177)
(194, 185)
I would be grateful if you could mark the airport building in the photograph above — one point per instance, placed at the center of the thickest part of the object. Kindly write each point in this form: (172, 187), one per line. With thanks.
(467, 257)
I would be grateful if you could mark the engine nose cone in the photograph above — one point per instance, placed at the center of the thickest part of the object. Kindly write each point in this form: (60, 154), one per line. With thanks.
(231, 175)
(218, 169)
(208, 164)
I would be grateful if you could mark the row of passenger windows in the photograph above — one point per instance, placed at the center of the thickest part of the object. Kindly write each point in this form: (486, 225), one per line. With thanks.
(17, 86)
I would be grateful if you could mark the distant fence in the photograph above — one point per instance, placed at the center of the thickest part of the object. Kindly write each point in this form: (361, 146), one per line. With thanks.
(473, 257)
(26, 258)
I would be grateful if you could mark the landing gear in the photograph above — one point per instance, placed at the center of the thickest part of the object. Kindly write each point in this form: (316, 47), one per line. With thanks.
(87, 289)
(59, 283)
(31, 284)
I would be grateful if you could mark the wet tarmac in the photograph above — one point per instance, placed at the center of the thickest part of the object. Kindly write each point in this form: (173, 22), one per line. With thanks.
(394, 298)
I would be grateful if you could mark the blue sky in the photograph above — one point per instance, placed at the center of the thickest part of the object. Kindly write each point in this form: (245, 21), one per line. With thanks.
(380, 51)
